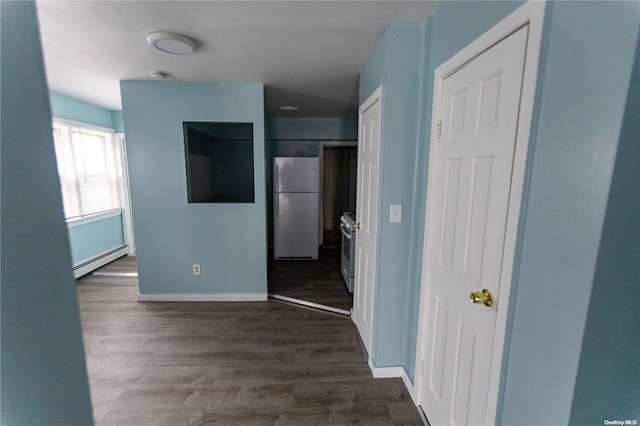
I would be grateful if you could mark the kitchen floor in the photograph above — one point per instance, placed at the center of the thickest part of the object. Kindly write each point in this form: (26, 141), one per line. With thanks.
(317, 281)
(231, 363)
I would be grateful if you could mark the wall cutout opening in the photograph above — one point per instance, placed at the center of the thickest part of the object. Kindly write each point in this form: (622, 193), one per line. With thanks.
(219, 162)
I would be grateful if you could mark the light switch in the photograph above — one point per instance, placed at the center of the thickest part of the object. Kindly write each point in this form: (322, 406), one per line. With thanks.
(395, 213)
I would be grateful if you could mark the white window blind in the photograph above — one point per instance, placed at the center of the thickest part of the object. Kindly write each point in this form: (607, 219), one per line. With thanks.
(88, 169)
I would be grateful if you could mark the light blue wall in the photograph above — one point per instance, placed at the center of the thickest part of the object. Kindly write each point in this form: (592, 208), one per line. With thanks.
(581, 94)
(74, 109)
(227, 240)
(395, 64)
(403, 62)
(608, 379)
(375, 72)
(92, 239)
(96, 237)
(281, 128)
(44, 377)
(302, 137)
(117, 121)
(582, 90)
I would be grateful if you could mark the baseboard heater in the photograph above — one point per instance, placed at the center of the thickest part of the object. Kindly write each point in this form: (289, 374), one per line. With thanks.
(98, 261)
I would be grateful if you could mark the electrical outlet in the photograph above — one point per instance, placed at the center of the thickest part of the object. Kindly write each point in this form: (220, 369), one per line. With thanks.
(196, 269)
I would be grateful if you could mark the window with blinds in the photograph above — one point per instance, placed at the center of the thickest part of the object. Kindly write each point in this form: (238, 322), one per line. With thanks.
(88, 169)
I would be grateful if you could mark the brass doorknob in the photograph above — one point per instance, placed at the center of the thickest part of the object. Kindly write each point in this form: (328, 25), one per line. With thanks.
(485, 296)
(356, 225)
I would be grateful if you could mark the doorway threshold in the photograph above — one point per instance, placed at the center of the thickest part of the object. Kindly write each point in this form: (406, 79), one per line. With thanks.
(310, 304)
(115, 274)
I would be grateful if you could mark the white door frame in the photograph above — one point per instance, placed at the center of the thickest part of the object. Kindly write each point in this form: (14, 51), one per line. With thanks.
(531, 13)
(127, 213)
(376, 96)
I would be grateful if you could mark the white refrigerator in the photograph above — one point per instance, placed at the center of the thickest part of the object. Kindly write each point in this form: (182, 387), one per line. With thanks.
(296, 207)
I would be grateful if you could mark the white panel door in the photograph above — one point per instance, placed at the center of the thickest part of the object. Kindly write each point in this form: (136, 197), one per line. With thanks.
(468, 210)
(367, 216)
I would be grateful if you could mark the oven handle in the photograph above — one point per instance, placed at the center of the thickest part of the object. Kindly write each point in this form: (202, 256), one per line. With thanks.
(349, 236)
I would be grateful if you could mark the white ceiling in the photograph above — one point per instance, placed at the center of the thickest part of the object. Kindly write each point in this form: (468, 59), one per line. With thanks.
(307, 53)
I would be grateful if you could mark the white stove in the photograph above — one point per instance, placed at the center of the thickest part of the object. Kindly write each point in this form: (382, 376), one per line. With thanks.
(347, 261)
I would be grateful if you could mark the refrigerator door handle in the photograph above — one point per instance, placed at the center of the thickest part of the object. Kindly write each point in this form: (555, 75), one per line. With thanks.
(276, 200)
(276, 179)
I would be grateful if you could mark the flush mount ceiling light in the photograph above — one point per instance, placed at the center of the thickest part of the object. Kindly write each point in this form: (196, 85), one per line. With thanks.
(177, 44)
(289, 110)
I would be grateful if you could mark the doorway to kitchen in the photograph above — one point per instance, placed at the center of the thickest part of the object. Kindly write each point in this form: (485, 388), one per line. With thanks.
(319, 284)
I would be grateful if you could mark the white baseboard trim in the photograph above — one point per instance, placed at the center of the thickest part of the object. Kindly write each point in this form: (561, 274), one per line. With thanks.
(391, 372)
(410, 387)
(385, 372)
(99, 261)
(250, 297)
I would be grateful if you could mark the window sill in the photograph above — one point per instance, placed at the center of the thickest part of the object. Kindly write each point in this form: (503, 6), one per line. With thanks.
(83, 220)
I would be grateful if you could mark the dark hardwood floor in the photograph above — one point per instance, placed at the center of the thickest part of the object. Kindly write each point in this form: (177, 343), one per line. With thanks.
(318, 281)
(256, 363)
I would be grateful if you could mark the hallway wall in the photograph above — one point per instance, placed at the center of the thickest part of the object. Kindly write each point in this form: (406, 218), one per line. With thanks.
(228, 240)
(44, 376)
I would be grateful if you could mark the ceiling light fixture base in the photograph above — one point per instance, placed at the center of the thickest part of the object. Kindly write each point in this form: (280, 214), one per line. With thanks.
(289, 110)
(173, 43)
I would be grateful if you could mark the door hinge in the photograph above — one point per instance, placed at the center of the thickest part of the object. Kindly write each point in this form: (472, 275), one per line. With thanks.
(422, 368)
(439, 129)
